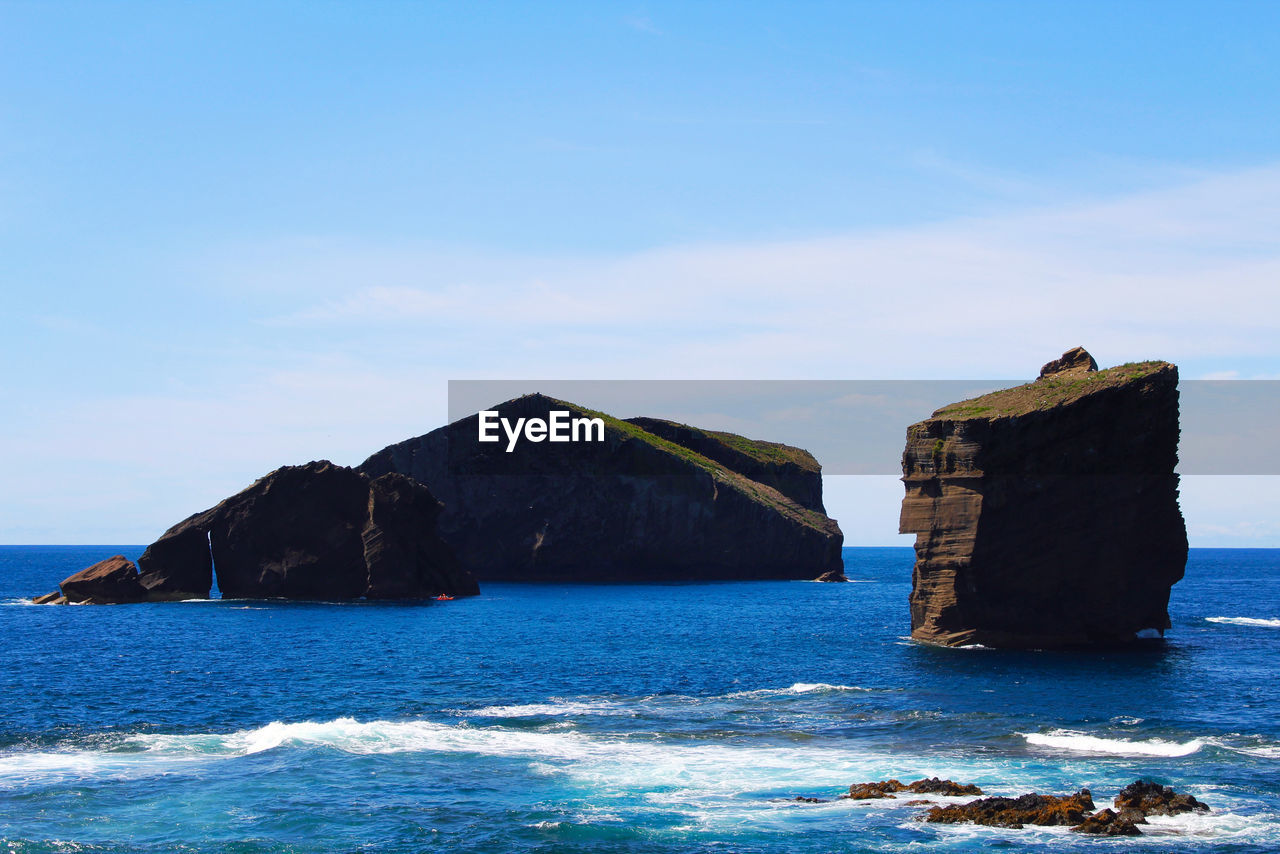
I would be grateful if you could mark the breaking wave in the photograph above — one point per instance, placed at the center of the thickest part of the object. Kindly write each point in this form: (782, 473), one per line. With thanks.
(1246, 621)
(1080, 742)
(642, 762)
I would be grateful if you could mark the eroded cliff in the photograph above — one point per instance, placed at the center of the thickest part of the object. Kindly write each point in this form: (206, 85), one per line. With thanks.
(1047, 514)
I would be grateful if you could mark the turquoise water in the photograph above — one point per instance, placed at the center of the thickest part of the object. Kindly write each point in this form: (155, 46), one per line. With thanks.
(661, 718)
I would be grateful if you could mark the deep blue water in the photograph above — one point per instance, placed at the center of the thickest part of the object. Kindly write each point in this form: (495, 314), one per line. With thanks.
(663, 718)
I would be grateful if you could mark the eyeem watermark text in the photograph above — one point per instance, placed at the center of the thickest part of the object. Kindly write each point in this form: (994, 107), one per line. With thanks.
(558, 426)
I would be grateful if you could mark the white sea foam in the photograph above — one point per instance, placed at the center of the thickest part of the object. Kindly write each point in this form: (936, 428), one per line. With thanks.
(1263, 751)
(553, 708)
(810, 687)
(797, 688)
(1081, 742)
(657, 704)
(712, 782)
(694, 767)
(1246, 621)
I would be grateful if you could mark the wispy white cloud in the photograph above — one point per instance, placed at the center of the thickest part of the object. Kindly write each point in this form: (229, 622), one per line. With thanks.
(642, 23)
(1184, 273)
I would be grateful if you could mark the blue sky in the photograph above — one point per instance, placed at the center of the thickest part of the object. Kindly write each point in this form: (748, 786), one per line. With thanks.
(240, 235)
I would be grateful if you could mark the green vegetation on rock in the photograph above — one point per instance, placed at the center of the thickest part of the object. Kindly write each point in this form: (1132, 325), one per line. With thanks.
(1047, 392)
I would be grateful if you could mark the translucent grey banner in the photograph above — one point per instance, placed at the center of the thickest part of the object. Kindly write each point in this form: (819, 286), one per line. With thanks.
(1229, 427)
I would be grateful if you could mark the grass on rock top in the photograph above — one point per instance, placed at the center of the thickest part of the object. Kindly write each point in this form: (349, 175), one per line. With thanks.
(1047, 392)
(758, 492)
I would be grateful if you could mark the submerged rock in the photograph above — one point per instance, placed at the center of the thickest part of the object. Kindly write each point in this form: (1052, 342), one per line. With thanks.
(1047, 514)
(49, 599)
(1035, 809)
(633, 506)
(112, 581)
(834, 576)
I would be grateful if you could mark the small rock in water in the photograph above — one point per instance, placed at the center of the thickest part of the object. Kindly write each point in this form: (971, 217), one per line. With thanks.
(1107, 823)
(926, 786)
(1032, 808)
(934, 786)
(871, 791)
(1150, 798)
(110, 581)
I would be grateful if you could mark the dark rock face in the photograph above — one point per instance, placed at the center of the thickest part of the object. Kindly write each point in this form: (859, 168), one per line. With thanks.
(111, 581)
(1040, 810)
(792, 471)
(317, 531)
(633, 507)
(1147, 798)
(405, 556)
(179, 564)
(294, 534)
(1047, 514)
(833, 577)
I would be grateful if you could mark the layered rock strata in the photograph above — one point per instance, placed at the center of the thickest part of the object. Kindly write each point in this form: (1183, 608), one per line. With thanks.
(1047, 514)
(633, 507)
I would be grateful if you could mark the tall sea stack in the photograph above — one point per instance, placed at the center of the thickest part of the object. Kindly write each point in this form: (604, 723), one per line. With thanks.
(1046, 515)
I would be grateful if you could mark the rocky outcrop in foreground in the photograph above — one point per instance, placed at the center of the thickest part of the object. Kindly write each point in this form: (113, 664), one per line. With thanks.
(1031, 808)
(1047, 515)
(317, 531)
(1132, 806)
(666, 503)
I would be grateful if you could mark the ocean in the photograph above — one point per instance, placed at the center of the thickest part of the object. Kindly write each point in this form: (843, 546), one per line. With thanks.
(637, 718)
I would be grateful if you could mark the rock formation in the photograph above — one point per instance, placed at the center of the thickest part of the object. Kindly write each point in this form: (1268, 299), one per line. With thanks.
(1149, 798)
(108, 582)
(317, 531)
(1047, 514)
(636, 506)
(1137, 801)
(1032, 808)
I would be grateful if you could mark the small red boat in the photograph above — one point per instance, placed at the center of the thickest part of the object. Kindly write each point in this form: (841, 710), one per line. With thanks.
(443, 597)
